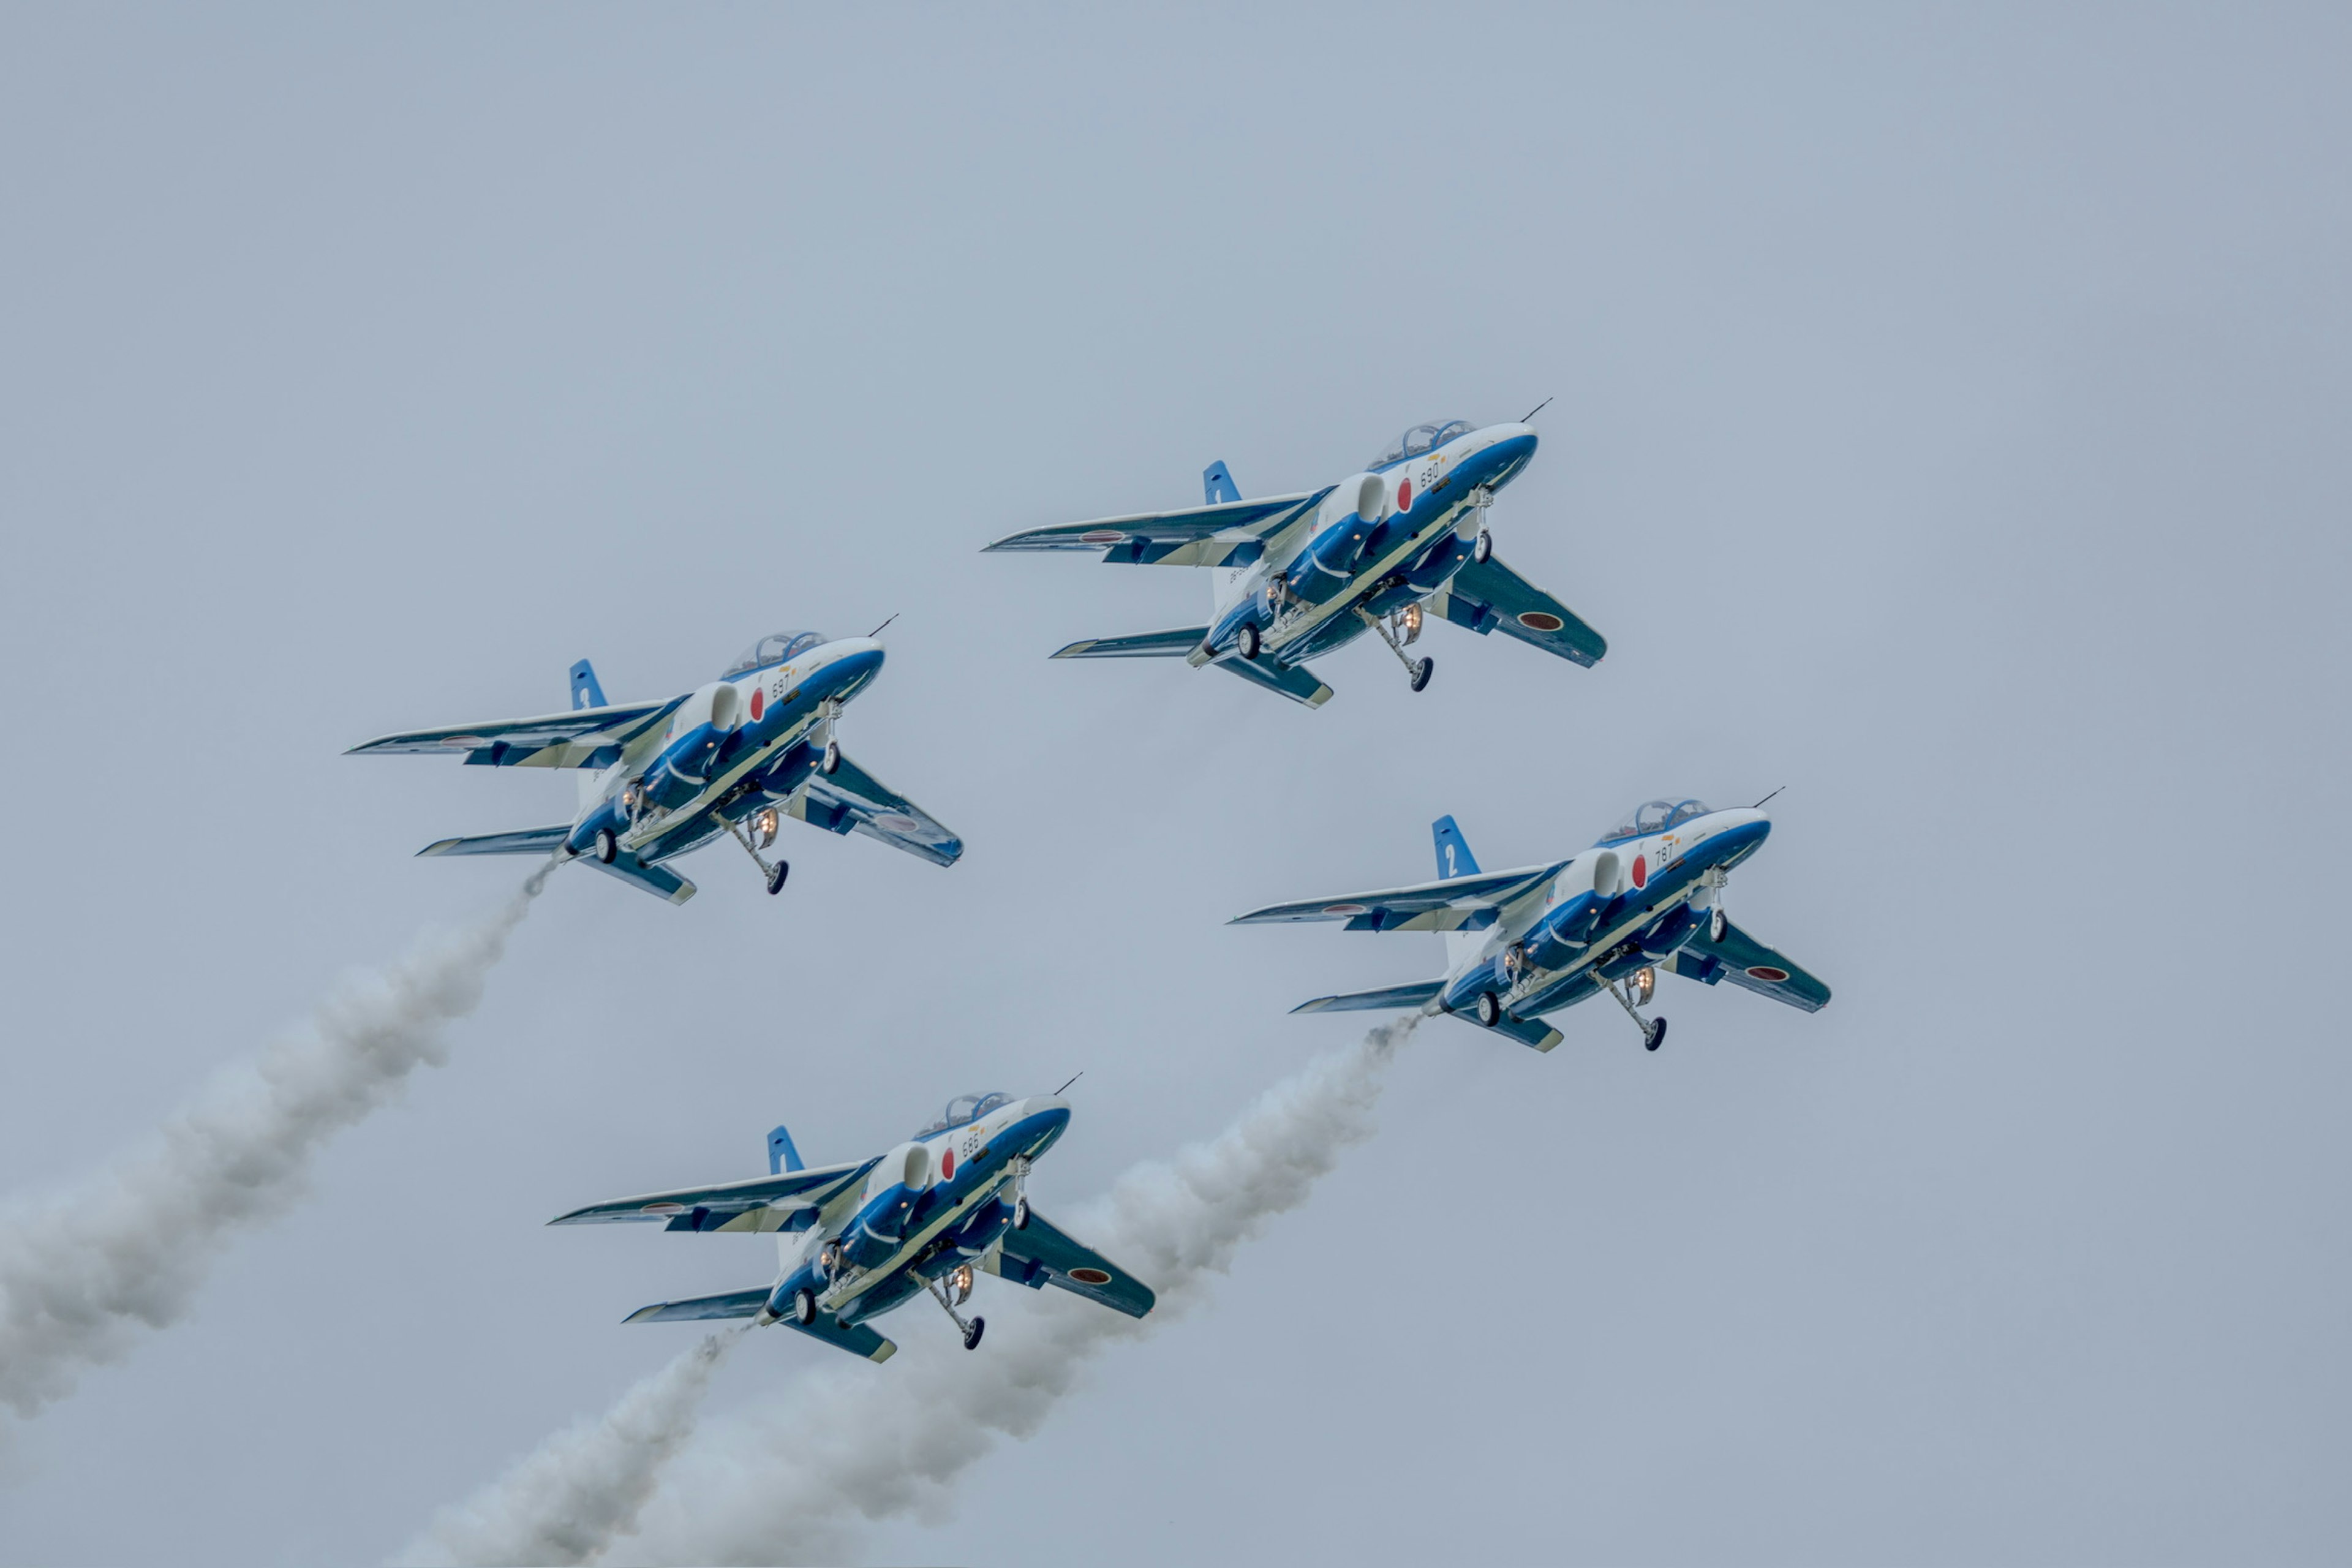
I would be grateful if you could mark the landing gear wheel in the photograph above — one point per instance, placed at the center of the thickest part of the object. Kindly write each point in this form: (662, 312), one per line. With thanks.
(1420, 673)
(971, 1335)
(1490, 1008)
(1718, 922)
(1654, 1035)
(1021, 1214)
(608, 849)
(1249, 643)
(783, 869)
(804, 1307)
(1483, 548)
(830, 764)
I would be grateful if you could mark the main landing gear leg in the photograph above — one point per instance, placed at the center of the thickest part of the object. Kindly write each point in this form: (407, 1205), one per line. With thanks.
(973, 1329)
(1416, 669)
(775, 873)
(1653, 1030)
(830, 711)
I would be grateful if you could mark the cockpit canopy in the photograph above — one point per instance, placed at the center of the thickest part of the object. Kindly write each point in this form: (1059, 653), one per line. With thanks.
(1657, 815)
(1421, 438)
(775, 648)
(965, 1107)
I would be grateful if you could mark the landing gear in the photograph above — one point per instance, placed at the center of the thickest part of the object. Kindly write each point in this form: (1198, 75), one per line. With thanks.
(1489, 1008)
(1483, 550)
(956, 1286)
(765, 821)
(1021, 1214)
(1717, 923)
(830, 764)
(1653, 1030)
(608, 849)
(805, 1306)
(829, 713)
(1417, 670)
(1248, 641)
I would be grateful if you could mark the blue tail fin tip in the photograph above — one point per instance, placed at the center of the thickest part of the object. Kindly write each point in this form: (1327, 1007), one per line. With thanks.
(1217, 483)
(1454, 857)
(585, 692)
(782, 1155)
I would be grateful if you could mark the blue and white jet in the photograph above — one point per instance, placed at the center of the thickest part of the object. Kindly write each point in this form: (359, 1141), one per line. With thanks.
(735, 756)
(1648, 896)
(1300, 576)
(854, 1241)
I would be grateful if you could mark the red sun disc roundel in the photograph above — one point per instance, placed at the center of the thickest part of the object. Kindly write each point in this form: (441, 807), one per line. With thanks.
(1102, 536)
(1090, 1277)
(1540, 621)
(1641, 871)
(1346, 910)
(1404, 495)
(759, 702)
(947, 1164)
(1766, 974)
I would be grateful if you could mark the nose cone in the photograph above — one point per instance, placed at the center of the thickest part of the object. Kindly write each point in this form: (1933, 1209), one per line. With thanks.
(1043, 1118)
(852, 661)
(1733, 835)
(1503, 450)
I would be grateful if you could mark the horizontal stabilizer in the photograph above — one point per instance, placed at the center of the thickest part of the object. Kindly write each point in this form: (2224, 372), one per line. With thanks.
(1143, 645)
(1489, 596)
(703, 1309)
(1453, 903)
(1298, 683)
(522, 841)
(658, 880)
(1532, 1032)
(856, 1338)
(713, 1206)
(1394, 997)
(583, 737)
(1750, 965)
(851, 800)
(1232, 534)
(1044, 1255)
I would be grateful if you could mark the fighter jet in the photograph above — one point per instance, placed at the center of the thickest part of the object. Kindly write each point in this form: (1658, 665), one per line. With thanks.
(1299, 576)
(1647, 897)
(736, 756)
(854, 1241)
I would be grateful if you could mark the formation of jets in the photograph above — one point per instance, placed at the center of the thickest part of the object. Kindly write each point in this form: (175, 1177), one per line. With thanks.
(1293, 578)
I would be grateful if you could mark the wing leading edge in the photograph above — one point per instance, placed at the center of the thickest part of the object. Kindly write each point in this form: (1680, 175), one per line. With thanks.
(1456, 903)
(583, 737)
(1045, 1254)
(729, 1206)
(1489, 596)
(1231, 534)
(1750, 965)
(851, 800)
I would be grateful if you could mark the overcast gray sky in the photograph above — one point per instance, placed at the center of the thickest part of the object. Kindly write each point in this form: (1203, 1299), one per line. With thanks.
(1950, 426)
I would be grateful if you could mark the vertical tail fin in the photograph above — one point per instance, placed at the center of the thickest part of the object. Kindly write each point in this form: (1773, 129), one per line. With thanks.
(1454, 857)
(586, 692)
(782, 1155)
(1454, 860)
(1217, 487)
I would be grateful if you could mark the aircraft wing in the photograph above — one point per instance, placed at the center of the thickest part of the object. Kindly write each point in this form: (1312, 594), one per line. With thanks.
(1044, 1255)
(1457, 903)
(1232, 534)
(1387, 1001)
(719, 1207)
(703, 1309)
(1489, 596)
(583, 737)
(1750, 965)
(851, 800)
(522, 841)
(1174, 644)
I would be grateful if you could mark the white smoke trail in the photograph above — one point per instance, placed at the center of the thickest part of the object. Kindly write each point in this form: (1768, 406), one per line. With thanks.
(584, 1485)
(83, 1270)
(854, 1441)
